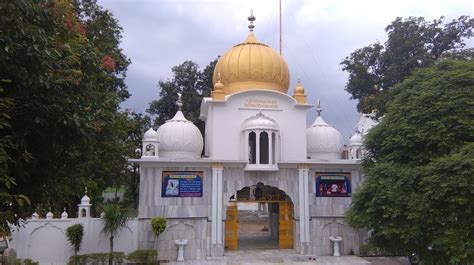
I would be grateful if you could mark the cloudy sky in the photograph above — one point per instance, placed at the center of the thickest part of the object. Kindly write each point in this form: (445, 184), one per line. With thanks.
(317, 36)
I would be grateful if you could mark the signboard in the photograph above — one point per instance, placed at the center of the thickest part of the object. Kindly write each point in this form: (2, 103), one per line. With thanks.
(333, 184)
(181, 184)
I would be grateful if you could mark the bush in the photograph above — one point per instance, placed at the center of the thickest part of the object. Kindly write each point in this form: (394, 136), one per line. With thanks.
(97, 258)
(158, 225)
(25, 262)
(143, 256)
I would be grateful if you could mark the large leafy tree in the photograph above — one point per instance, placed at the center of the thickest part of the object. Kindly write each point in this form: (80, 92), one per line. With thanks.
(65, 75)
(412, 43)
(419, 186)
(192, 84)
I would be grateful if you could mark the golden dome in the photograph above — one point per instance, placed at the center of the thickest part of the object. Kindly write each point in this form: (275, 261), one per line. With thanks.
(251, 65)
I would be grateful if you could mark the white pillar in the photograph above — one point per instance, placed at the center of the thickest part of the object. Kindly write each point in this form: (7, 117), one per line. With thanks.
(303, 194)
(214, 207)
(220, 237)
(270, 142)
(306, 205)
(257, 147)
(246, 148)
(216, 221)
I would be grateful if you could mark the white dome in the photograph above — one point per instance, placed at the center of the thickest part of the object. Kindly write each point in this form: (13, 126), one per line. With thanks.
(49, 215)
(323, 141)
(365, 123)
(85, 200)
(355, 139)
(150, 135)
(180, 139)
(261, 122)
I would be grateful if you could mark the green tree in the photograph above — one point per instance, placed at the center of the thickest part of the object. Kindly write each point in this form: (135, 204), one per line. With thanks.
(139, 124)
(192, 84)
(114, 221)
(66, 75)
(418, 189)
(74, 235)
(412, 43)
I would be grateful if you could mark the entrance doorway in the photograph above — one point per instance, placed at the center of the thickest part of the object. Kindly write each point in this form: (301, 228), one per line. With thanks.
(259, 217)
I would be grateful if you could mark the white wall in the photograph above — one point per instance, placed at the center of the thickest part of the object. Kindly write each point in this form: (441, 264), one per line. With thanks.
(45, 240)
(224, 121)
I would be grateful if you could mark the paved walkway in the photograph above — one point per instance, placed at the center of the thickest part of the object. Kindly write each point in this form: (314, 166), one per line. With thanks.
(274, 256)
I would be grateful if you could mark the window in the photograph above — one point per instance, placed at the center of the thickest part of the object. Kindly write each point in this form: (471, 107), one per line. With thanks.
(260, 146)
(252, 149)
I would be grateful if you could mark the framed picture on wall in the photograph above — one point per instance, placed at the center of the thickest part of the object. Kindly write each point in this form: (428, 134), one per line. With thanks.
(333, 184)
(181, 184)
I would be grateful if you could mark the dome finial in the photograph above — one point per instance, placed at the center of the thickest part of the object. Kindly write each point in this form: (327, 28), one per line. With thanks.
(179, 103)
(251, 19)
(319, 109)
(85, 190)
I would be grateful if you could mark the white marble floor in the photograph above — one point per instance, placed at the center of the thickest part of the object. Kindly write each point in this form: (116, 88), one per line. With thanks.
(274, 256)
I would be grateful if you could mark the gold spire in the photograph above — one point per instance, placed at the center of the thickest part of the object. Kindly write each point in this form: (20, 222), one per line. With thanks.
(299, 95)
(218, 93)
(251, 19)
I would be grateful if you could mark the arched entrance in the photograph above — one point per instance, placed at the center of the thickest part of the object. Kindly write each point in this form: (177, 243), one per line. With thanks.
(259, 217)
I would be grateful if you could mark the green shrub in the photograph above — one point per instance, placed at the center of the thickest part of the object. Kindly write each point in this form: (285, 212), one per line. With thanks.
(25, 262)
(158, 225)
(143, 256)
(97, 258)
(364, 250)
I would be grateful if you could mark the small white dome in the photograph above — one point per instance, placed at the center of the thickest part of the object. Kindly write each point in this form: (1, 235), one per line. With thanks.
(355, 139)
(261, 122)
(49, 215)
(150, 135)
(180, 139)
(323, 141)
(64, 215)
(365, 123)
(85, 200)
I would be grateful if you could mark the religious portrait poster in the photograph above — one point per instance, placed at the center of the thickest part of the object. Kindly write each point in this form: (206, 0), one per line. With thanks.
(333, 184)
(181, 184)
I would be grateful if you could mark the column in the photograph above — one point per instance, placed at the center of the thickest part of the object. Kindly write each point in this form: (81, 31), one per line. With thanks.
(216, 211)
(220, 232)
(257, 147)
(214, 207)
(303, 194)
(270, 142)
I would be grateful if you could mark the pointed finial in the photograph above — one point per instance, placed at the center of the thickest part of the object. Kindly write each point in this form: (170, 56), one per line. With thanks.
(299, 81)
(219, 77)
(179, 103)
(251, 19)
(319, 109)
(85, 190)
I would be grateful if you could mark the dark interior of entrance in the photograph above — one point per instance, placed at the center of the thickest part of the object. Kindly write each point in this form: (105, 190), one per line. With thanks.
(254, 220)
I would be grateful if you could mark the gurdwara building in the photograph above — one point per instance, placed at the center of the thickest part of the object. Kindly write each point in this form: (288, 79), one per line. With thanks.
(257, 147)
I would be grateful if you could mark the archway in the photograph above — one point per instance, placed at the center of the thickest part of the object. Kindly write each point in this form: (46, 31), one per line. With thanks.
(259, 217)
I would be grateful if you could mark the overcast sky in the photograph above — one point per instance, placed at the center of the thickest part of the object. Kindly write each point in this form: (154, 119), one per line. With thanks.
(317, 36)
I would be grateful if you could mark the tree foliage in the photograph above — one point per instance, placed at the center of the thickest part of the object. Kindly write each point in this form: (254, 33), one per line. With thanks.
(412, 43)
(66, 79)
(192, 84)
(419, 186)
(158, 225)
(115, 219)
(74, 234)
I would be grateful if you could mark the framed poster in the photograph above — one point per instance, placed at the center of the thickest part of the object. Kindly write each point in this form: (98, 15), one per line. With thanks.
(333, 184)
(181, 184)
